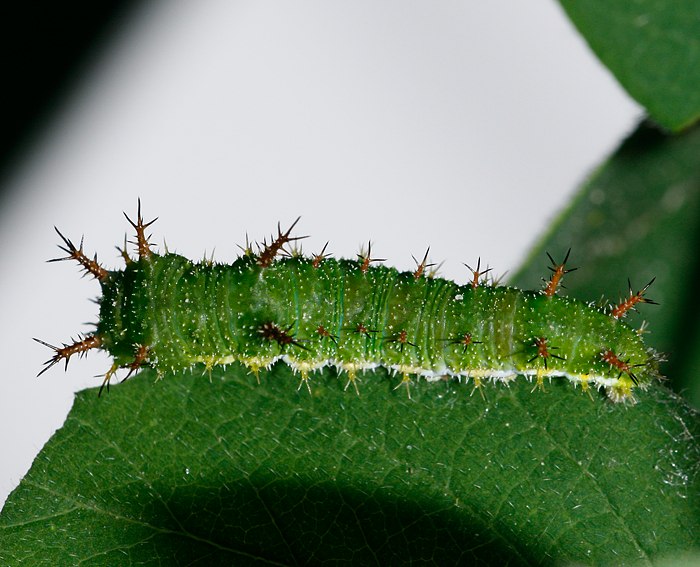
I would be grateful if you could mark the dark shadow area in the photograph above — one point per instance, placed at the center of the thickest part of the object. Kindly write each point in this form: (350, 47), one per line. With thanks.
(679, 343)
(683, 359)
(47, 46)
(290, 523)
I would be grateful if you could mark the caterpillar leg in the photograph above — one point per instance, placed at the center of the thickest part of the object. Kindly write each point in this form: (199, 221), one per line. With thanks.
(352, 379)
(585, 387)
(406, 380)
(478, 385)
(539, 382)
(108, 377)
(140, 357)
(304, 380)
(80, 348)
(254, 369)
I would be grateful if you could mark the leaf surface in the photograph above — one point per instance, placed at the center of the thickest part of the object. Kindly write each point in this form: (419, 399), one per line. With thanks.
(653, 49)
(186, 471)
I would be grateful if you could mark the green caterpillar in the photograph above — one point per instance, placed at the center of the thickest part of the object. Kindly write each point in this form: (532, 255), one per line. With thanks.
(169, 313)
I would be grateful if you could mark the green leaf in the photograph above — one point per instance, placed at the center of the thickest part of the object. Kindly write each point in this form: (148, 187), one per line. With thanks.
(639, 217)
(199, 472)
(653, 49)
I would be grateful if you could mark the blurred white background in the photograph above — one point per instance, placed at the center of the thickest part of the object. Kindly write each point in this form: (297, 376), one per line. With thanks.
(461, 125)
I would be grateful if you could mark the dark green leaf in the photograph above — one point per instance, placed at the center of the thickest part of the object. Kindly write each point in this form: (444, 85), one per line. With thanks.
(639, 217)
(192, 472)
(652, 47)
